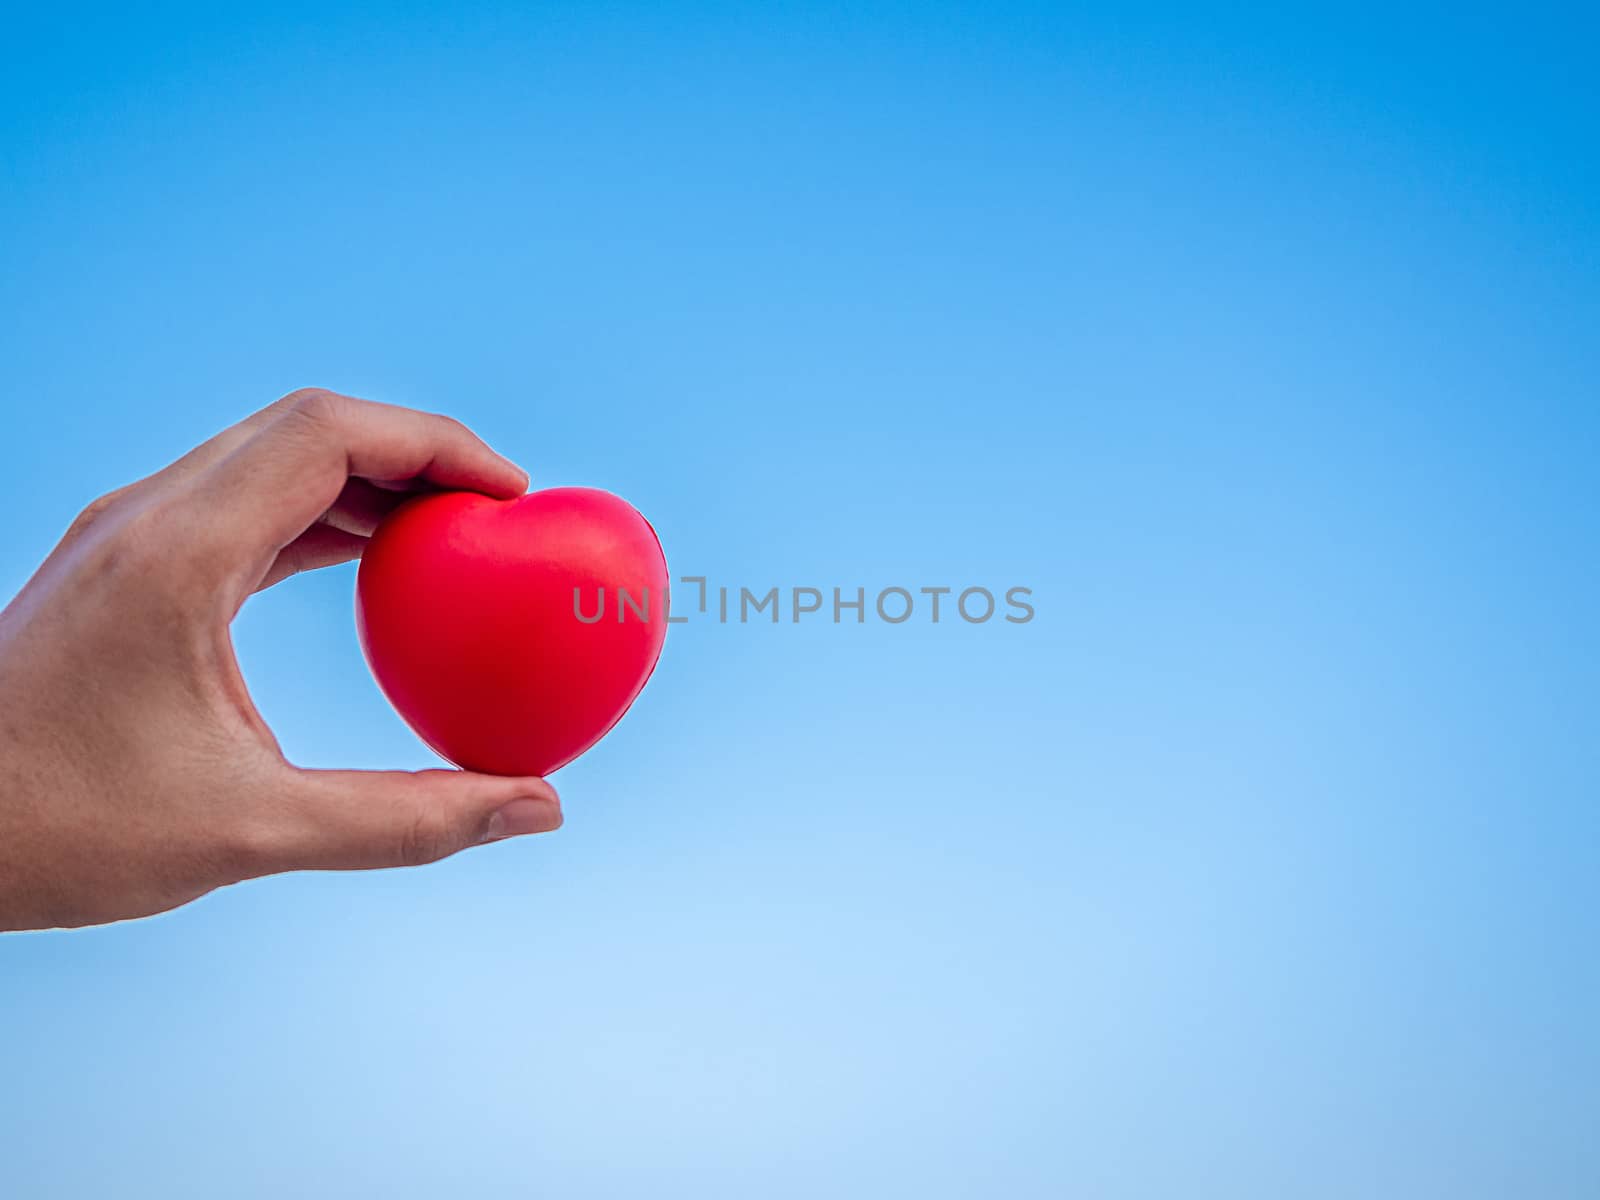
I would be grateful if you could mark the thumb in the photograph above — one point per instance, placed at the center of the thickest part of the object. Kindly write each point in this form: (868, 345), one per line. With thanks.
(353, 820)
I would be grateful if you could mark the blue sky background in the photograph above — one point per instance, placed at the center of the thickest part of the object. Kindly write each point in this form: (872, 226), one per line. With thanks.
(1260, 344)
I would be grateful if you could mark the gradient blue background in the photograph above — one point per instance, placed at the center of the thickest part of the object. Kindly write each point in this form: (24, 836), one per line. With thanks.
(1260, 344)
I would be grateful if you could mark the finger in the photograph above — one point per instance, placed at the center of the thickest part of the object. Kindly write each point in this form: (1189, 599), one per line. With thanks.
(292, 470)
(362, 506)
(319, 546)
(357, 820)
(339, 537)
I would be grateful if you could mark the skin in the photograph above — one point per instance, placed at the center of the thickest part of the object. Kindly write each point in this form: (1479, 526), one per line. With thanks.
(135, 773)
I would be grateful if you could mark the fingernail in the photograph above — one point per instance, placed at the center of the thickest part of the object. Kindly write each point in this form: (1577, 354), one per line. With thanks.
(522, 817)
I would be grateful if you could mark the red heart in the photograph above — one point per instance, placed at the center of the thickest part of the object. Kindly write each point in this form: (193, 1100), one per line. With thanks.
(477, 617)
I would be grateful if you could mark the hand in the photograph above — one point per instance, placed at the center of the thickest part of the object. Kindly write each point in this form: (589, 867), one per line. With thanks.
(135, 773)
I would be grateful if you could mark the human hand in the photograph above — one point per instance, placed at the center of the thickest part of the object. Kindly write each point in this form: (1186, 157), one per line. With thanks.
(135, 773)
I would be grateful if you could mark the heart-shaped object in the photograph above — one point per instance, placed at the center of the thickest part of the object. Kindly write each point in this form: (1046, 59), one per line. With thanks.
(513, 634)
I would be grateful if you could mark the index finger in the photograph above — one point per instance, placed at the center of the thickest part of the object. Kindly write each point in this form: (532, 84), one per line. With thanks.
(290, 471)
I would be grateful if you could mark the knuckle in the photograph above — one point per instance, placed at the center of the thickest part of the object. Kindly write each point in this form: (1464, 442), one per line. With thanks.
(97, 509)
(425, 838)
(133, 545)
(313, 422)
(302, 396)
(316, 405)
(288, 402)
